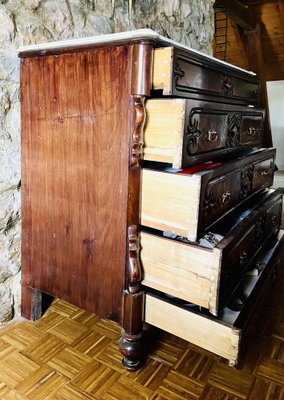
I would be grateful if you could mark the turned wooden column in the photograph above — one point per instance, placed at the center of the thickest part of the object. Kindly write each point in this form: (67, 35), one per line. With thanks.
(132, 324)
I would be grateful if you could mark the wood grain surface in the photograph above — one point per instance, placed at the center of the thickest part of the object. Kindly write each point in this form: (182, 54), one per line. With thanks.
(75, 140)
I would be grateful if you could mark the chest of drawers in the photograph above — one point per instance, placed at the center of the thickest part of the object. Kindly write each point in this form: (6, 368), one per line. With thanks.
(118, 227)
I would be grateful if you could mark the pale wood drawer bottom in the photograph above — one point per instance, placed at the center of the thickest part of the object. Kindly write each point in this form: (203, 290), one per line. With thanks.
(222, 335)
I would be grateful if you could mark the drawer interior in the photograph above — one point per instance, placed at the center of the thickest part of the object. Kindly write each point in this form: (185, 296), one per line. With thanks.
(222, 335)
(208, 271)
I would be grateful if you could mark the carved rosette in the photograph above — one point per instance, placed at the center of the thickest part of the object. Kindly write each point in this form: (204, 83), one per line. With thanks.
(259, 232)
(275, 218)
(192, 134)
(226, 86)
(138, 128)
(234, 128)
(178, 72)
(246, 181)
(209, 200)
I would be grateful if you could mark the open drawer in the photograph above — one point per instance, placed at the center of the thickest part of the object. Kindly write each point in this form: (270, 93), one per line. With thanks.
(205, 273)
(184, 73)
(188, 202)
(184, 132)
(224, 335)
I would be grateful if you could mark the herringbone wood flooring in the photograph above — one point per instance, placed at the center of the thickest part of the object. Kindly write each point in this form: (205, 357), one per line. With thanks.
(70, 354)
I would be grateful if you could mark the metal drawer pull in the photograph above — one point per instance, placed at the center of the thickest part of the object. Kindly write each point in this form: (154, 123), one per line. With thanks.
(274, 219)
(211, 135)
(267, 172)
(252, 131)
(225, 198)
(243, 257)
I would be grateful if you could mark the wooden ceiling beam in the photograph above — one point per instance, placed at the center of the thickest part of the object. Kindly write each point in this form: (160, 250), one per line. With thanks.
(237, 12)
(253, 39)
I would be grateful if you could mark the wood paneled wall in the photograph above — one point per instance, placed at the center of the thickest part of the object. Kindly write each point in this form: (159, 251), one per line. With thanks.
(270, 16)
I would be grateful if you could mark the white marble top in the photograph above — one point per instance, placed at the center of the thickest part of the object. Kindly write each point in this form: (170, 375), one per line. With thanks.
(139, 34)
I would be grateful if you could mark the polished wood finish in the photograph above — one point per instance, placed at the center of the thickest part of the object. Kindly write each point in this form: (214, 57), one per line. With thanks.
(207, 276)
(186, 132)
(188, 204)
(83, 120)
(133, 296)
(74, 157)
(81, 178)
(190, 76)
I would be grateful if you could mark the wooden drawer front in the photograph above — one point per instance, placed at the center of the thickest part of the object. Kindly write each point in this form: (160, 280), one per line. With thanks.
(263, 173)
(273, 218)
(170, 202)
(240, 253)
(236, 262)
(222, 335)
(184, 74)
(251, 129)
(183, 132)
(187, 205)
(220, 196)
(182, 270)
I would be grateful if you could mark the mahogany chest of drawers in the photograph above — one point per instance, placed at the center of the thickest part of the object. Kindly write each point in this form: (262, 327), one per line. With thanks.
(145, 188)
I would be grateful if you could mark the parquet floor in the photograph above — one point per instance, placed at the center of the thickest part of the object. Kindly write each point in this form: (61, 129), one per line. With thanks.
(70, 354)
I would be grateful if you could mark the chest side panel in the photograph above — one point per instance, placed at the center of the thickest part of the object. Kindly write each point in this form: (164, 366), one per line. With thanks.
(75, 124)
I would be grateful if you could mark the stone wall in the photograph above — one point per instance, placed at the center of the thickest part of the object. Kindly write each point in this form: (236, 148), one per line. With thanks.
(25, 22)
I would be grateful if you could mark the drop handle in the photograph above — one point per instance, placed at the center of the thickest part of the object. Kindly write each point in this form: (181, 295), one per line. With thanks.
(211, 136)
(273, 219)
(252, 131)
(243, 257)
(266, 172)
(225, 198)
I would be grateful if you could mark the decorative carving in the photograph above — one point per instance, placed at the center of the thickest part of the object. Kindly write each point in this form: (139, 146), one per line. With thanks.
(132, 332)
(178, 72)
(226, 86)
(134, 269)
(259, 232)
(234, 127)
(209, 200)
(137, 136)
(275, 218)
(192, 133)
(246, 181)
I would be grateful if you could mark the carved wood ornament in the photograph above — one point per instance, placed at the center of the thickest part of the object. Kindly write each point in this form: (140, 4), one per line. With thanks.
(246, 181)
(131, 337)
(137, 136)
(226, 86)
(134, 267)
(178, 72)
